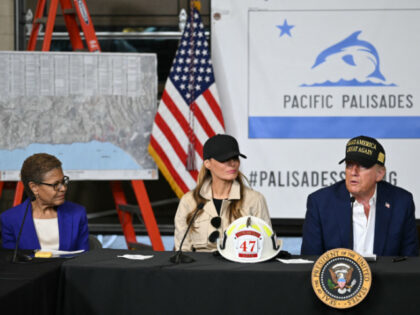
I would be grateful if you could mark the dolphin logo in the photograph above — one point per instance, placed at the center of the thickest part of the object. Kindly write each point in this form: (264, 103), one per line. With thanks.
(352, 41)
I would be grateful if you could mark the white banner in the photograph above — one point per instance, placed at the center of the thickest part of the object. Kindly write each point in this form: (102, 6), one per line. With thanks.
(297, 80)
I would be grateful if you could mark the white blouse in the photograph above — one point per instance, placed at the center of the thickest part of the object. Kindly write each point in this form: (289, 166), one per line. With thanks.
(47, 232)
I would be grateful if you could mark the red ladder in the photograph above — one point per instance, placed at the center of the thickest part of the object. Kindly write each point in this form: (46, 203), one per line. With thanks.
(146, 210)
(71, 9)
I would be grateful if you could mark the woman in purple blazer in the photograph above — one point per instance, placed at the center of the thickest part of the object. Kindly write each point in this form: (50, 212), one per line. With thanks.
(51, 222)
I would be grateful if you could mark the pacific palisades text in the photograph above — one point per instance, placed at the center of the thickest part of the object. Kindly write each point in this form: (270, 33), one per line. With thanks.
(302, 178)
(319, 101)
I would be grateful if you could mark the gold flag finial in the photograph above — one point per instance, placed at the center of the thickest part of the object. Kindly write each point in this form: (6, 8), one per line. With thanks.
(196, 4)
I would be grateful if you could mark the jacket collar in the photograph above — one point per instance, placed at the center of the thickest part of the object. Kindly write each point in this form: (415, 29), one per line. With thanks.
(29, 226)
(344, 214)
(383, 218)
(64, 227)
(234, 194)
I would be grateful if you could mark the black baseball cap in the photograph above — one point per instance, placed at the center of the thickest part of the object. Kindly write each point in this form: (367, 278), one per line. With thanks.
(364, 150)
(221, 148)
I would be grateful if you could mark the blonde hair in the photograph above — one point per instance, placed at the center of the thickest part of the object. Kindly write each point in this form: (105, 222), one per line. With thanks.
(235, 205)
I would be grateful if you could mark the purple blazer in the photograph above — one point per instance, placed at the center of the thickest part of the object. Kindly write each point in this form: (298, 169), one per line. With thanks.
(72, 227)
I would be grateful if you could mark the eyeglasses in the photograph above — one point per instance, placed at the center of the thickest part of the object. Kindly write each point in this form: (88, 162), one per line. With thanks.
(215, 222)
(57, 186)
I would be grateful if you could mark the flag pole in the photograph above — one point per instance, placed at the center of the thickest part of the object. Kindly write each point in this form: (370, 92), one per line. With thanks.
(189, 110)
(191, 163)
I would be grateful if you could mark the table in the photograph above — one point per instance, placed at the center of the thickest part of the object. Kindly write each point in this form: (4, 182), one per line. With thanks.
(28, 288)
(100, 283)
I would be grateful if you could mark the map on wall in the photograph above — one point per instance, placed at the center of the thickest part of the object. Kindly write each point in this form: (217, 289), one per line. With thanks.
(94, 112)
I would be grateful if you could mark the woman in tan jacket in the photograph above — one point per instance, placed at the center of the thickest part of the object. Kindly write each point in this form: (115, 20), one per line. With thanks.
(221, 196)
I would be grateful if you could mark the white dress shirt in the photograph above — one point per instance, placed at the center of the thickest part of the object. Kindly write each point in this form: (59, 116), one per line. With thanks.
(363, 227)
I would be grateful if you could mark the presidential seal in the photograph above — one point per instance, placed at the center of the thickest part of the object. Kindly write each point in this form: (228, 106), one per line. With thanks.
(341, 278)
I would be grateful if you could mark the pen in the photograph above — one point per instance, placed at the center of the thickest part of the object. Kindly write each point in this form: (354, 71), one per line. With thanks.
(398, 259)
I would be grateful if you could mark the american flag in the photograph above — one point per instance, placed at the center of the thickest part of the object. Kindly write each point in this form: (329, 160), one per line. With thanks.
(189, 111)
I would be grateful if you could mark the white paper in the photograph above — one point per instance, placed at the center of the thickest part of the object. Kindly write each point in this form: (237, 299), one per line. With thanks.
(57, 253)
(295, 261)
(136, 257)
(371, 257)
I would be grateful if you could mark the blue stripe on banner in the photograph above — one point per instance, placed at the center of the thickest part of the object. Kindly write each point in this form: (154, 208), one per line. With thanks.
(334, 127)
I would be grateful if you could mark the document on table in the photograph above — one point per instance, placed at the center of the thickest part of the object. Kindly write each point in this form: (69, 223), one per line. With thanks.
(295, 261)
(45, 253)
(136, 257)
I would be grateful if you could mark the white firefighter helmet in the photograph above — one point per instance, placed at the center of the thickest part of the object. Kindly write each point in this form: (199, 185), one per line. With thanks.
(248, 240)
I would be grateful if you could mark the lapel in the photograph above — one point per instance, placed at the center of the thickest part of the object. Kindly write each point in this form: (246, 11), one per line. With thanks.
(210, 208)
(206, 193)
(383, 216)
(343, 215)
(64, 227)
(28, 232)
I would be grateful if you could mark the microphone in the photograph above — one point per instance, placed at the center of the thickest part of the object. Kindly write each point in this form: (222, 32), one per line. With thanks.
(352, 199)
(179, 256)
(22, 258)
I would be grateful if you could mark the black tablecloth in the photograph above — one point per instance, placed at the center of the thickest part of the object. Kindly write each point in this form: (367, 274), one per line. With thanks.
(100, 283)
(28, 288)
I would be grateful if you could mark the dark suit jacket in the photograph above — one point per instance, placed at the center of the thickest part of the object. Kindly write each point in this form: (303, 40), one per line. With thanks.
(328, 221)
(72, 227)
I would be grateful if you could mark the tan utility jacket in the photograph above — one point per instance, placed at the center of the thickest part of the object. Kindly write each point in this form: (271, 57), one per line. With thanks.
(198, 238)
